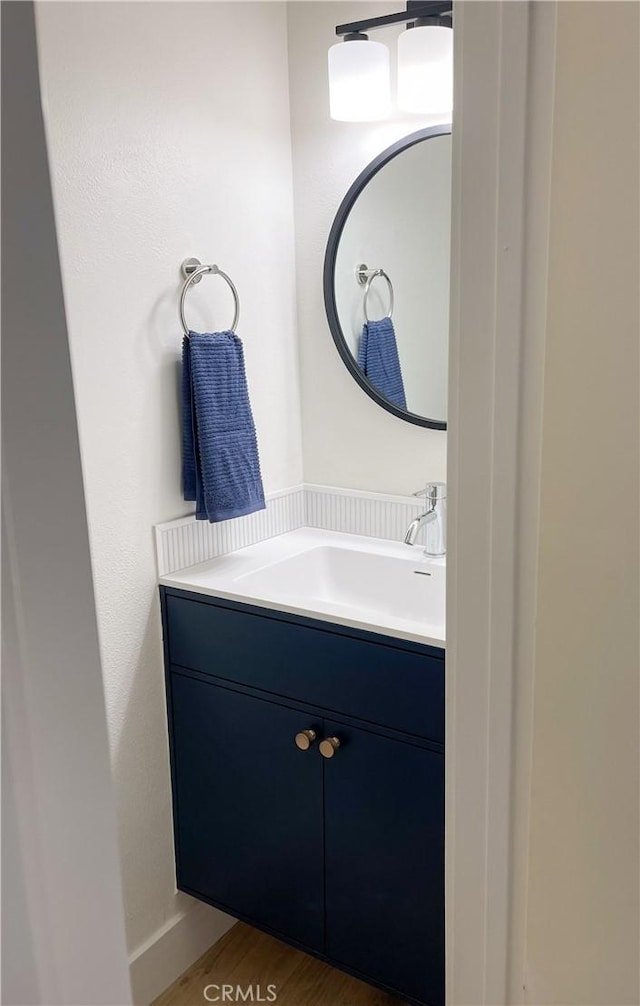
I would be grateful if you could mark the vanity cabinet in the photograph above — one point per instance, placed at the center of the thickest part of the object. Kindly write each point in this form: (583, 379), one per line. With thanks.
(342, 855)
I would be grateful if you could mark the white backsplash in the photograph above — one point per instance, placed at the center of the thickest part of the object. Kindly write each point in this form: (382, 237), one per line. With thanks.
(187, 541)
(355, 512)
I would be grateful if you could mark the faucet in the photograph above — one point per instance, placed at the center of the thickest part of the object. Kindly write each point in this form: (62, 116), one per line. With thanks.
(434, 520)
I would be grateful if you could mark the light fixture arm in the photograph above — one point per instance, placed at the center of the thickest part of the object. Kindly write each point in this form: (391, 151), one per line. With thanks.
(416, 10)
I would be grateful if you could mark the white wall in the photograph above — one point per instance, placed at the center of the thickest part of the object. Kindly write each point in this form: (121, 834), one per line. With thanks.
(582, 924)
(348, 439)
(62, 917)
(168, 130)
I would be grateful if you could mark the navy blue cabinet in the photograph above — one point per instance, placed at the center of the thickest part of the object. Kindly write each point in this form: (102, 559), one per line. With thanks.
(341, 855)
(250, 816)
(384, 860)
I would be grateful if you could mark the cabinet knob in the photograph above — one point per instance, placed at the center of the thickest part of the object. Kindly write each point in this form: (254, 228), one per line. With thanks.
(305, 739)
(329, 746)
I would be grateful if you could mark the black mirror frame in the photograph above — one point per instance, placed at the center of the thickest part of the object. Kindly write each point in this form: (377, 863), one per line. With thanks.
(330, 263)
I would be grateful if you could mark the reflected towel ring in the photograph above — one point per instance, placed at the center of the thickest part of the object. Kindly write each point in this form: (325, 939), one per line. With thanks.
(366, 277)
(193, 271)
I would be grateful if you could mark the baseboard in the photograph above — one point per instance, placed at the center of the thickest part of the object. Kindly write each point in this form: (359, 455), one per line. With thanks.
(173, 949)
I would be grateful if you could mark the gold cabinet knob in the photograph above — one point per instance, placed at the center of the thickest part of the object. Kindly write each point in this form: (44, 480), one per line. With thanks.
(305, 739)
(329, 746)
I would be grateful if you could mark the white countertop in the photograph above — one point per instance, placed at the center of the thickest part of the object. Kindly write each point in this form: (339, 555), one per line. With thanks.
(366, 583)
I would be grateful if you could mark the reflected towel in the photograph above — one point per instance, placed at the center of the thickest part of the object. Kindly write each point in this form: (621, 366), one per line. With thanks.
(220, 462)
(378, 360)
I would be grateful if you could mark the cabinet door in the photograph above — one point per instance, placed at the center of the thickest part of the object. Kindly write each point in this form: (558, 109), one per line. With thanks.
(248, 806)
(384, 861)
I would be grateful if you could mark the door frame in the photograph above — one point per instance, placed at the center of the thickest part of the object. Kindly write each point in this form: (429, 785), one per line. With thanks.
(64, 940)
(502, 137)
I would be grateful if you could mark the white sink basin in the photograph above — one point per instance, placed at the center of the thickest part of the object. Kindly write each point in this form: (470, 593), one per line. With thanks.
(383, 586)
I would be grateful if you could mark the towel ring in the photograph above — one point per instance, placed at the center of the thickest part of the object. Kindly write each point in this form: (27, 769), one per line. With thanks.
(193, 271)
(366, 277)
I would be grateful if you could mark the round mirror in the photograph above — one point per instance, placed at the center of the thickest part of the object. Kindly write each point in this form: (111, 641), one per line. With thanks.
(386, 277)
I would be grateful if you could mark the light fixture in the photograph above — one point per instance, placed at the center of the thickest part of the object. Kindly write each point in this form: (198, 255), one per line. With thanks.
(425, 67)
(359, 68)
(359, 79)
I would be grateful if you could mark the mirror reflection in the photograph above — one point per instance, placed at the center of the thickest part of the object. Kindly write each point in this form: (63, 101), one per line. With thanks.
(387, 287)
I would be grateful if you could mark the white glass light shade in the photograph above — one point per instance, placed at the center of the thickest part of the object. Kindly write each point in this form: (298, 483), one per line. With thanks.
(359, 87)
(425, 70)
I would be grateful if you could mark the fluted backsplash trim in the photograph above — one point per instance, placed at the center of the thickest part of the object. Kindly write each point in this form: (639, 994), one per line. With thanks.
(186, 541)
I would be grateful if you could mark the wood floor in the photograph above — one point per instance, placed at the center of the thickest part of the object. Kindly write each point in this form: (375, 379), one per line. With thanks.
(247, 957)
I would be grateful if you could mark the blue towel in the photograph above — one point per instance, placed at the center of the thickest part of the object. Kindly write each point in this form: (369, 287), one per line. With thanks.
(220, 463)
(378, 360)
